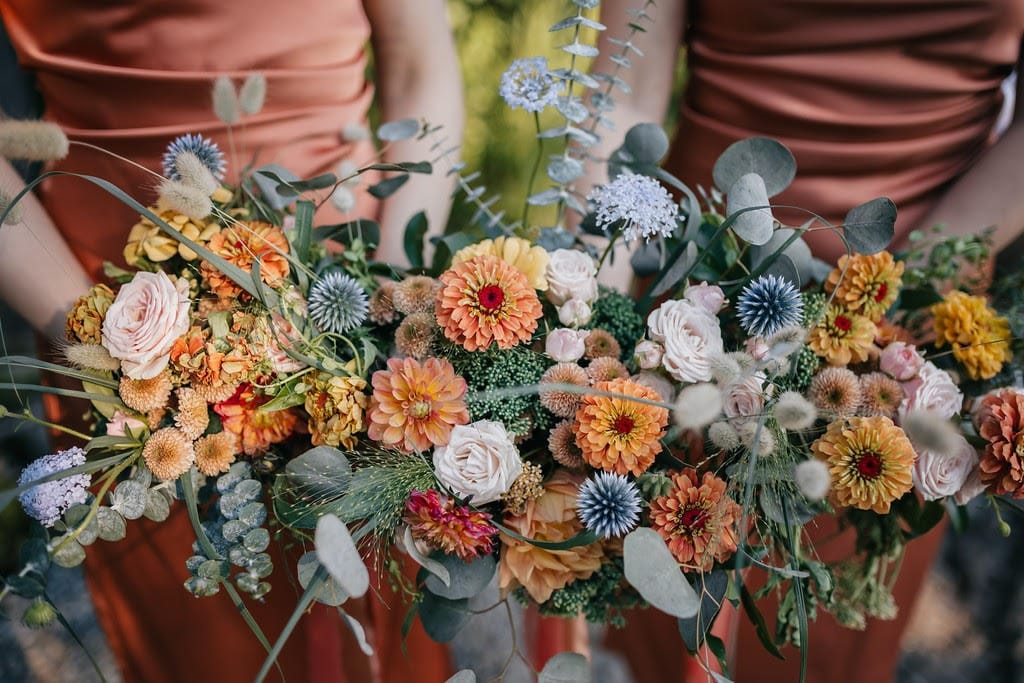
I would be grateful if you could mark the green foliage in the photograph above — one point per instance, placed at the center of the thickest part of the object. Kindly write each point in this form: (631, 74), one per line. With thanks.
(379, 488)
(601, 598)
(616, 313)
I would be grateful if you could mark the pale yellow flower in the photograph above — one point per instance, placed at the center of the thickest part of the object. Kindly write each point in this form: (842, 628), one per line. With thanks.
(528, 258)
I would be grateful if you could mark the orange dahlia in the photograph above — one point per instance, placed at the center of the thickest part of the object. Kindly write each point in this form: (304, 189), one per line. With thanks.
(866, 284)
(486, 300)
(697, 519)
(415, 405)
(551, 517)
(842, 337)
(256, 429)
(1001, 423)
(454, 529)
(617, 434)
(980, 338)
(870, 461)
(242, 244)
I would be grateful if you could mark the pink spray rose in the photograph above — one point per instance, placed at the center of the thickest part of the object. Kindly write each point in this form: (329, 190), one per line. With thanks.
(565, 345)
(901, 360)
(709, 297)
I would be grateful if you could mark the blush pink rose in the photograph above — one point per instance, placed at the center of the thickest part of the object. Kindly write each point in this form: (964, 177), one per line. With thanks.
(901, 360)
(757, 347)
(709, 297)
(140, 327)
(939, 475)
(648, 355)
(565, 345)
(745, 398)
(121, 422)
(971, 489)
(932, 390)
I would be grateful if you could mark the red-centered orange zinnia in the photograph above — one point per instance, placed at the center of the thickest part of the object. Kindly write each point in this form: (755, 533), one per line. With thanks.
(256, 429)
(842, 337)
(485, 300)
(866, 284)
(697, 519)
(415, 405)
(617, 434)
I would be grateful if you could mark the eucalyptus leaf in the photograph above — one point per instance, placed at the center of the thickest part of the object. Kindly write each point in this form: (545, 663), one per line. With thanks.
(466, 579)
(329, 592)
(33, 552)
(784, 268)
(158, 506)
(320, 472)
(403, 166)
(767, 158)
(755, 225)
(580, 50)
(347, 233)
(71, 555)
(339, 556)
(25, 586)
(565, 667)
(545, 197)
(646, 143)
(442, 619)
(870, 227)
(646, 259)
(650, 568)
(112, 526)
(431, 565)
(129, 499)
(74, 517)
(412, 241)
(358, 631)
(268, 178)
(388, 186)
(395, 131)
(713, 587)
(678, 269)
(564, 170)
(797, 251)
(464, 676)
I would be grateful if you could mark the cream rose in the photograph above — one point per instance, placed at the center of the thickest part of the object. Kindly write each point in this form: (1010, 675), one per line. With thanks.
(571, 274)
(480, 461)
(940, 475)
(933, 390)
(690, 336)
(140, 327)
(575, 312)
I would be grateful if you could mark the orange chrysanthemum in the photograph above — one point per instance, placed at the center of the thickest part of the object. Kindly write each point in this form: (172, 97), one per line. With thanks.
(215, 453)
(697, 519)
(617, 434)
(1001, 423)
(552, 517)
(870, 461)
(415, 405)
(192, 417)
(168, 454)
(201, 358)
(980, 338)
(842, 337)
(256, 429)
(869, 285)
(145, 395)
(243, 244)
(486, 300)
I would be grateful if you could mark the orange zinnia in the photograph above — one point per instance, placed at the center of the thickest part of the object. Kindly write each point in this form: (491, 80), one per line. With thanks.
(617, 434)
(243, 244)
(697, 519)
(486, 300)
(842, 337)
(415, 405)
(868, 285)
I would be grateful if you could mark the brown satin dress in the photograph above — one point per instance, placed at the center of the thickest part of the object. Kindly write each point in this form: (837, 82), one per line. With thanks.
(130, 75)
(875, 98)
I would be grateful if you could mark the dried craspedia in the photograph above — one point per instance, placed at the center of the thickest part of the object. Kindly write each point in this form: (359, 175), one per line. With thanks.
(605, 368)
(381, 309)
(836, 392)
(215, 453)
(880, 395)
(563, 448)
(168, 453)
(528, 486)
(85, 319)
(600, 344)
(145, 395)
(90, 357)
(192, 417)
(415, 294)
(559, 401)
(416, 334)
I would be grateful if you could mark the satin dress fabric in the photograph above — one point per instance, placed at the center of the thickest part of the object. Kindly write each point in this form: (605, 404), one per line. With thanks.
(130, 76)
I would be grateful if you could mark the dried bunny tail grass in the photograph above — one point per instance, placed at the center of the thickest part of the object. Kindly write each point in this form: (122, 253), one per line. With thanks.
(724, 436)
(225, 101)
(194, 173)
(253, 93)
(698, 405)
(14, 215)
(185, 199)
(32, 140)
(762, 439)
(795, 413)
(929, 431)
(90, 357)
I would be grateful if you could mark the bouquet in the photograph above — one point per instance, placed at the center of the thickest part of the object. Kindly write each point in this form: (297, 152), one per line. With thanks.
(496, 411)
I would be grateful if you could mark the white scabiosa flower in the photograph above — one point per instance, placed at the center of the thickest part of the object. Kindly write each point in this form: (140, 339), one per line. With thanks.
(49, 500)
(643, 206)
(812, 479)
(527, 84)
(337, 303)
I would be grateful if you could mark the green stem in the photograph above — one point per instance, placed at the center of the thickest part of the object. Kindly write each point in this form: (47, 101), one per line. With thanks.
(568, 96)
(69, 393)
(608, 249)
(533, 172)
(29, 417)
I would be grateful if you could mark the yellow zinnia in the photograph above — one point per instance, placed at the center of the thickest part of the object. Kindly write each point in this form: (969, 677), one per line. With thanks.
(525, 257)
(868, 285)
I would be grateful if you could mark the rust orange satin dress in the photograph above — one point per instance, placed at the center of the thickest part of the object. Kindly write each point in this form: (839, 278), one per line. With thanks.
(130, 75)
(875, 98)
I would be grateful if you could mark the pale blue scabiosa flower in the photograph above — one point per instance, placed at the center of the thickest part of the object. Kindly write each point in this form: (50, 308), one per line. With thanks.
(608, 504)
(646, 208)
(529, 85)
(337, 303)
(49, 500)
(769, 304)
(205, 149)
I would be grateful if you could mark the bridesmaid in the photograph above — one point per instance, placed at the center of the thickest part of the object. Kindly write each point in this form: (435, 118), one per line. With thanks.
(130, 75)
(892, 98)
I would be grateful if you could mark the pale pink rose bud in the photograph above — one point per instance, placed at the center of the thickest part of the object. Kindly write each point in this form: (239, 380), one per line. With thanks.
(901, 360)
(565, 345)
(709, 297)
(757, 348)
(575, 312)
(121, 422)
(648, 354)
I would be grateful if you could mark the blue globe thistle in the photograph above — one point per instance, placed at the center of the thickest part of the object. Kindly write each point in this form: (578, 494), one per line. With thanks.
(608, 504)
(49, 500)
(640, 202)
(204, 148)
(337, 303)
(528, 84)
(769, 304)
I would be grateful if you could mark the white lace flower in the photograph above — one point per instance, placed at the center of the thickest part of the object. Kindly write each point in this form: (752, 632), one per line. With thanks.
(644, 206)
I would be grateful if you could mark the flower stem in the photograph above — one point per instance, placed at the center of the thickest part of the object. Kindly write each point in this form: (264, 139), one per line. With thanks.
(29, 417)
(110, 477)
(533, 172)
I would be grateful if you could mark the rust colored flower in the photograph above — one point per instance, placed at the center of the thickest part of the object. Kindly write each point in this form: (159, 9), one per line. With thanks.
(842, 337)
(85, 319)
(697, 519)
(870, 461)
(618, 434)
(453, 529)
(562, 444)
(560, 402)
(415, 294)
(869, 285)
(980, 338)
(215, 453)
(145, 395)
(486, 300)
(552, 517)
(256, 429)
(203, 359)
(1001, 423)
(415, 405)
(242, 244)
(168, 453)
(880, 395)
(337, 409)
